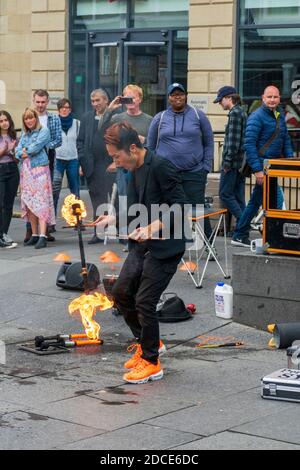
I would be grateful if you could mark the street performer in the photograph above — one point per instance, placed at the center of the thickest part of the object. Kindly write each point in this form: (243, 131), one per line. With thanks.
(153, 259)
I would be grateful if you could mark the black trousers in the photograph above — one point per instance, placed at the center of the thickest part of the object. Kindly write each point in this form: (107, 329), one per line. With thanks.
(9, 182)
(137, 291)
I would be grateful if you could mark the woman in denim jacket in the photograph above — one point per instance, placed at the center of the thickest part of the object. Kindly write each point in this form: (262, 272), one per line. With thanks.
(36, 189)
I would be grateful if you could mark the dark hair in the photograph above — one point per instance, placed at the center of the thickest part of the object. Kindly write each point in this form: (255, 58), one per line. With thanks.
(235, 98)
(41, 92)
(11, 130)
(61, 103)
(122, 135)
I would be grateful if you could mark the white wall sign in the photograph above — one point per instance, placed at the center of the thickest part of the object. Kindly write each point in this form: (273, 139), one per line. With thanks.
(200, 102)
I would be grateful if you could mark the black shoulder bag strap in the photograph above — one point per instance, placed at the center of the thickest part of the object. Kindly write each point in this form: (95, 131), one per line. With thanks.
(262, 151)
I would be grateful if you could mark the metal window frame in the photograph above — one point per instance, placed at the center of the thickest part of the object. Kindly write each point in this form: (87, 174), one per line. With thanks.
(240, 28)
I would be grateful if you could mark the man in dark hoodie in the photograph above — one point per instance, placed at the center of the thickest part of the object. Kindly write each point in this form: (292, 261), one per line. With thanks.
(183, 135)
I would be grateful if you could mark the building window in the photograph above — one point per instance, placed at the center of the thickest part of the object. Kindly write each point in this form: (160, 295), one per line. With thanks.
(269, 52)
(99, 14)
(159, 13)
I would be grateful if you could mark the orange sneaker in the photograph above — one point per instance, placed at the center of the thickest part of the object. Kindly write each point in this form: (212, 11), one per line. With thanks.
(132, 362)
(143, 372)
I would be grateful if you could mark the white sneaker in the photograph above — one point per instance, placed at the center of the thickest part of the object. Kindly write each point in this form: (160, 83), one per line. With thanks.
(12, 245)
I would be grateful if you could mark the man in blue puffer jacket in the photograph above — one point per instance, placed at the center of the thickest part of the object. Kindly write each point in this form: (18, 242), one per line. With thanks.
(266, 137)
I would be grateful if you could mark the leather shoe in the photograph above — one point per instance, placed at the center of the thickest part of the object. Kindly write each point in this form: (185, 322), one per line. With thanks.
(32, 241)
(42, 243)
(50, 238)
(28, 235)
(95, 240)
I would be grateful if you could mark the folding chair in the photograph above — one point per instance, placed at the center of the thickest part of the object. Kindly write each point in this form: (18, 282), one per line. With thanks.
(205, 248)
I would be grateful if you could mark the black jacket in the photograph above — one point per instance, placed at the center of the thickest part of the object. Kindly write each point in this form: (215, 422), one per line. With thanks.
(162, 185)
(86, 143)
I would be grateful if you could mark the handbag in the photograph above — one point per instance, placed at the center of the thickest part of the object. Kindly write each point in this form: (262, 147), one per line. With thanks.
(245, 169)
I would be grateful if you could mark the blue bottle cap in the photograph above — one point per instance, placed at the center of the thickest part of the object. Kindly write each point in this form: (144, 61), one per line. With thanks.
(221, 284)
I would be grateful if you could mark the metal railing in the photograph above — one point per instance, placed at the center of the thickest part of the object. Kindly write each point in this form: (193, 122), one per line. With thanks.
(290, 186)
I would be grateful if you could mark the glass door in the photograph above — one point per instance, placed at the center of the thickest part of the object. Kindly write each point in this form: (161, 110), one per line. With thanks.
(146, 65)
(149, 59)
(108, 67)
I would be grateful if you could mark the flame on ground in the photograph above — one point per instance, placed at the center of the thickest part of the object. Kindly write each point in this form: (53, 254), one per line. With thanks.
(62, 257)
(87, 306)
(67, 209)
(188, 265)
(109, 257)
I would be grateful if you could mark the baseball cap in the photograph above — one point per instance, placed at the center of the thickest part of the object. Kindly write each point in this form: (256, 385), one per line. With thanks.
(175, 86)
(225, 91)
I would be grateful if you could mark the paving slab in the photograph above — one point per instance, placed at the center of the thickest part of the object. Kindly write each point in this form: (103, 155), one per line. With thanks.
(136, 437)
(54, 386)
(25, 430)
(236, 441)
(222, 414)
(282, 425)
(7, 407)
(110, 412)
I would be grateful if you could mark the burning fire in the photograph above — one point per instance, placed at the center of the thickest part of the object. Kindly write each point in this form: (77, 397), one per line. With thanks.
(110, 257)
(188, 265)
(87, 306)
(67, 210)
(62, 257)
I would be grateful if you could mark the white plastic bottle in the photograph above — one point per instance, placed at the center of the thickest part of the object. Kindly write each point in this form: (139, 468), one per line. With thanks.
(223, 300)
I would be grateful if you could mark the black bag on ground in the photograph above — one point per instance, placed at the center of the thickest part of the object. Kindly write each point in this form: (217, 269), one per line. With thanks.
(173, 310)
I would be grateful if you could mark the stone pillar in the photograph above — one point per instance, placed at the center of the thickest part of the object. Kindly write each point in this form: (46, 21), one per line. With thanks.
(49, 38)
(210, 63)
(15, 56)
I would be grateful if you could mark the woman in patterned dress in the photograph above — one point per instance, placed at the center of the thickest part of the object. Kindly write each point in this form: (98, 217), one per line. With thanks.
(36, 189)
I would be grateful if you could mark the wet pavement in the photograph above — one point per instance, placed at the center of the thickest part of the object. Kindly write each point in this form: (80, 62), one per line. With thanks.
(208, 398)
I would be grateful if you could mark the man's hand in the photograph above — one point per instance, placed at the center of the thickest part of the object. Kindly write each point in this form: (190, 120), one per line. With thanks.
(103, 221)
(259, 175)
(81, 171)
(111, 168)
(142, 234)
(115, 104)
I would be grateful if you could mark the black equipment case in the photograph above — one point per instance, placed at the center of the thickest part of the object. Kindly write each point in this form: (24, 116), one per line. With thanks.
(281, 228)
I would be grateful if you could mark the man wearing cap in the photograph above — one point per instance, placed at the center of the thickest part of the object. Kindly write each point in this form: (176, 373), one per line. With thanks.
(232, 183)
(183, 135)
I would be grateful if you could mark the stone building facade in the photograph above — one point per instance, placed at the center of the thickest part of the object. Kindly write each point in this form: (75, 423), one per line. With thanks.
(34, 51)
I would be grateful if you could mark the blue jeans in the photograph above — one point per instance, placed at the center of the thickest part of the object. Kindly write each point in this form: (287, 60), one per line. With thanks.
(244, 225)
(71, 167)
(232, 192)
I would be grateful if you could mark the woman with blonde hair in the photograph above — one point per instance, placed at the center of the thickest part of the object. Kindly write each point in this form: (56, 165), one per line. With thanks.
(36, 189)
